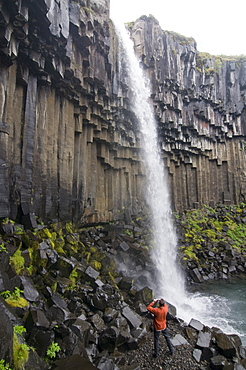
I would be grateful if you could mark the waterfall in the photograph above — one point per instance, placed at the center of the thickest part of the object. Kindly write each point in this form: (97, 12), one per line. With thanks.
(210, 309)
(164, 251)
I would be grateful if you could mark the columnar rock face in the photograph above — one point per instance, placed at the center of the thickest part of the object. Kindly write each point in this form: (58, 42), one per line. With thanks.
(69, 141)
(200, 108)
(64, 152)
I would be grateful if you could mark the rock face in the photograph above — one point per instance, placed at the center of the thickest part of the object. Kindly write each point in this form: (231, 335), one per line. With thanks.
(69, 141)
(200, 107)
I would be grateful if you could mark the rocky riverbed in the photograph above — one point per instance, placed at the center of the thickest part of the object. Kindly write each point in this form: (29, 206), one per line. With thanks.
(182, 359)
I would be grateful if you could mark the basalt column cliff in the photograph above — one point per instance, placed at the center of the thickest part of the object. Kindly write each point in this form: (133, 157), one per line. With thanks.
(200, 107)
(68, 137)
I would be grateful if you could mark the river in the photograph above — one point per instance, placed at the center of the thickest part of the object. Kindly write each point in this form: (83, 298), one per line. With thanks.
(222, 304)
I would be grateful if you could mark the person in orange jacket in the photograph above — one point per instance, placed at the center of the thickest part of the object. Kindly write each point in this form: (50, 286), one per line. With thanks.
(160, 324)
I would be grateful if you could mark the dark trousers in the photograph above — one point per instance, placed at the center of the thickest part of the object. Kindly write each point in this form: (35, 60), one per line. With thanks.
(156, 340)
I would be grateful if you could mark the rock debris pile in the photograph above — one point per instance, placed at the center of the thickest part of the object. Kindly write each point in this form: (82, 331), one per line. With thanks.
(64, 305)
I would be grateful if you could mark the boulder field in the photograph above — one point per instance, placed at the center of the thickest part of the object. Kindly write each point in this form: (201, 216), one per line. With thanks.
(68, 301)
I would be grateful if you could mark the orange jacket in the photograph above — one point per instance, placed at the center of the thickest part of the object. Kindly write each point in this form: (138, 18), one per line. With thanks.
(160, 314)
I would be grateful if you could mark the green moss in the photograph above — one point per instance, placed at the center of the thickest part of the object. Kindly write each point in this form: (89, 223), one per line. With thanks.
(20, 353)
(73, 278)
(69, 227)
(237, 233)
(93, 250)
(86, 255)
(97, 265)
(209, 226)
(57, 227)
(14, 299)
(18, 230)
(17, 262)
(54, 287)
(46, 233)
(59, 243)
(211, 234)
(18, 302)
(71, 239)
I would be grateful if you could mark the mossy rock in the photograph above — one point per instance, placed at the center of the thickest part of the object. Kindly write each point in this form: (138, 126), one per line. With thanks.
(72, 239)
(96, 265)
(17, 302)
(26, 240)
(109, 266)
(145, 295)
(98, 255)
(37, 260)
(20, 353)
(71, 250)
(17, 262)
(57, 227)
(69, 227)
(47, 234)
(59, 244)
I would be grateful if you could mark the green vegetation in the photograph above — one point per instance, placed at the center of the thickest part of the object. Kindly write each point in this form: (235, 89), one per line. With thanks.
(17, 262)
(20, 349)
(213, 63)
(181, 39)
(14, 299)
(4, 366)
(208, 226)
(129, 25)
(73, 277)
(20, 353)
(129, 232)
(3, 248)
(19, 329)
(52, 350)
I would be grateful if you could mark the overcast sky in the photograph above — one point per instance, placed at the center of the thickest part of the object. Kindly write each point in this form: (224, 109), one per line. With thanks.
(218, 26)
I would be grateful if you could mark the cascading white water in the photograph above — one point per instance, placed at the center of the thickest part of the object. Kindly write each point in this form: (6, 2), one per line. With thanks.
(171, 283)
(211, 310)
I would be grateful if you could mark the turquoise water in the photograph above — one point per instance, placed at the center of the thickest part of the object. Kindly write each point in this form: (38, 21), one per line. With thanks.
(226, 306)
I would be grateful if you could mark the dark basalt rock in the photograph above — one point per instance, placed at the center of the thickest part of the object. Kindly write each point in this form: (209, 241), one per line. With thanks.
(226, 345)
(133, 319)
(29, 291)
(220, 362)
(40, 339)
(82, 329)
(73, 362)
(94, 318)
(108, 339)
(36, 318)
